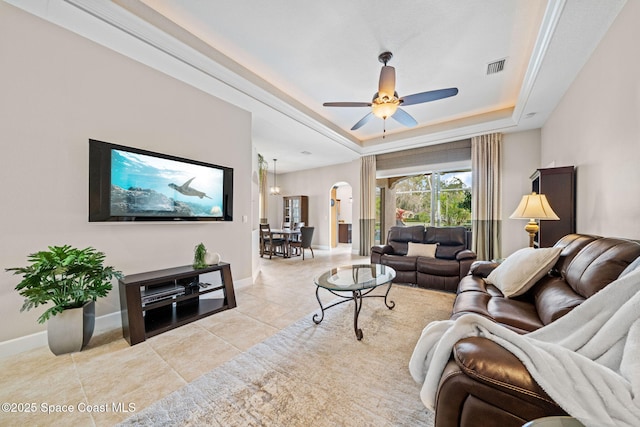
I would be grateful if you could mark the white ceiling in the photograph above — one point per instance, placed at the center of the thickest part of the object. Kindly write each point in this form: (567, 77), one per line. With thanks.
(328, 50)
(281, 59)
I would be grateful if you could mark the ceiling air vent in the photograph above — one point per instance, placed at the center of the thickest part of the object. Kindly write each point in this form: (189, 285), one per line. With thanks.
(495, 66)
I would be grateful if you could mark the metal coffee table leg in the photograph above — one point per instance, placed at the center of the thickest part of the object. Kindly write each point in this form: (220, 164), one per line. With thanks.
(315, 316)
(357, 297)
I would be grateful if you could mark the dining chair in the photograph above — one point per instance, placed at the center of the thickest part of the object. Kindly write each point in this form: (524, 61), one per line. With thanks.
(268, 244)
(306, 235)
(296, 227)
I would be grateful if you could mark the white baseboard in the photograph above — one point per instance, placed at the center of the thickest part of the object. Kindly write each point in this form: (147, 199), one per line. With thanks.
(104, 323)
(237, 284)
(18, 345)
(39, 339)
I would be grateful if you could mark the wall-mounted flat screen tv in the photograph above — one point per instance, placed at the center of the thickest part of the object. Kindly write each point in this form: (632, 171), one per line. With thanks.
(130, 184)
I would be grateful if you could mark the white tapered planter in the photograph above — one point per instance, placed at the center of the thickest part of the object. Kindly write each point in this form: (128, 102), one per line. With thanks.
(71, 330)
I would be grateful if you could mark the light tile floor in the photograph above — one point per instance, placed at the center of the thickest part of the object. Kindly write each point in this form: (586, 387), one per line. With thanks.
(108, 380)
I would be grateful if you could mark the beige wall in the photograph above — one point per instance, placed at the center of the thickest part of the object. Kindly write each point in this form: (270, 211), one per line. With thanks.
(317, 184)
(58, 90)
(520, 158)
(596, 127)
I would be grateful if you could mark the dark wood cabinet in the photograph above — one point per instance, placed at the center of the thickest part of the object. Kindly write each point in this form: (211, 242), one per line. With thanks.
(344, 233)
(559, 186)
(295, 209)
(157, 301)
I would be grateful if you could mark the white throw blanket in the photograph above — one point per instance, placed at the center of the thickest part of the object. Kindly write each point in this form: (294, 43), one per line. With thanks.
(588, 361)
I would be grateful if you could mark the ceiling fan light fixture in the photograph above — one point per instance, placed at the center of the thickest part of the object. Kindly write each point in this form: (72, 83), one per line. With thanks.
(385, 108)
(386, 101)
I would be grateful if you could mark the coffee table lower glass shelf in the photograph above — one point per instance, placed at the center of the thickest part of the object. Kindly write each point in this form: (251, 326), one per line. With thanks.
(358, 281)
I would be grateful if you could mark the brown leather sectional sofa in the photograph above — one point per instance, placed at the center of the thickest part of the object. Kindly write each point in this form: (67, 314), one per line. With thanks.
(483, 384)
(451, 263)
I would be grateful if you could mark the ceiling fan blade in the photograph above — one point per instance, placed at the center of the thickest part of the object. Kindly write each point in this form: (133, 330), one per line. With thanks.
(362, 121)
(387, 83)
(404, 118)
(347, 104)
(433, 95)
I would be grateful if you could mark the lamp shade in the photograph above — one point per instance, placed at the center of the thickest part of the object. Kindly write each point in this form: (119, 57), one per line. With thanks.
(534, 206)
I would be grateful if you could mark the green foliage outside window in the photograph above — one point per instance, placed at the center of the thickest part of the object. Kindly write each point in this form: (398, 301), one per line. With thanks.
(440, 199)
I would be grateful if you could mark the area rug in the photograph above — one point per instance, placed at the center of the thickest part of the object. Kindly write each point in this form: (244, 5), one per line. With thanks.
(317, 375)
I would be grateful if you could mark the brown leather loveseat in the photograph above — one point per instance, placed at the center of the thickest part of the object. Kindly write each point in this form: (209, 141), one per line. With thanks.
(485, 385)
(443, 271)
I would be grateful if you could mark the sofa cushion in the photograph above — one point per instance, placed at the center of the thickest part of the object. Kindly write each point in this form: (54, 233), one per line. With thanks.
(476, 283)
(571, 244)
(522, 269)
(451, 240)
(600, 263)
(554, 298)
(520, 316)
(399, 237)
(400, 262)
(438, 267)
(483, 268)
(422, 249)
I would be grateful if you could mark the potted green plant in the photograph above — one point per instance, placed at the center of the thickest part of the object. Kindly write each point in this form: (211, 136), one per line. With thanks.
(203, 258)
(71, 280)
(199, 253)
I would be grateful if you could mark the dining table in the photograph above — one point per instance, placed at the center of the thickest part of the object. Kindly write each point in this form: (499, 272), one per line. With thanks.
(287, 234)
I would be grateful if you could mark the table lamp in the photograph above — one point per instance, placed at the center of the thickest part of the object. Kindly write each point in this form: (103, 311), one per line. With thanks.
(532, 207)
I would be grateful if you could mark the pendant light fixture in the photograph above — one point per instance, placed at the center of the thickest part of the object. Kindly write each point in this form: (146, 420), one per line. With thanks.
(275, 190)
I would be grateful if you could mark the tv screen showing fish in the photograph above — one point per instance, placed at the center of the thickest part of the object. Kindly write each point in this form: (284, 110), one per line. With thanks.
(129, 184)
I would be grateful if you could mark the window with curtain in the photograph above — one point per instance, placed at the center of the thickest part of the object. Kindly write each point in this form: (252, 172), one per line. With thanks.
(434, 199)
(451, 182)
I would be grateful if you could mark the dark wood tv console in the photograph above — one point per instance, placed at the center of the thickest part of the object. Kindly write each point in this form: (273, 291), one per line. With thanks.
(157, 301)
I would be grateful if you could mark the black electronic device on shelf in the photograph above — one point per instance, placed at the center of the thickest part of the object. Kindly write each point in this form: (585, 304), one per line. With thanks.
(160, 293)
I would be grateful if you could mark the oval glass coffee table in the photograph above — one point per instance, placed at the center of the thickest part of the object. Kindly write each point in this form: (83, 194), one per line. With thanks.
(358, 281)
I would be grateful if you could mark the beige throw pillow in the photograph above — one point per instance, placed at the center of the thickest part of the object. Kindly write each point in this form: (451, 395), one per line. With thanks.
(422, 249)
(522, 269)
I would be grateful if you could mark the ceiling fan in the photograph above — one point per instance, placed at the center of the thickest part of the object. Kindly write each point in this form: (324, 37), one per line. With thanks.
(386, 102)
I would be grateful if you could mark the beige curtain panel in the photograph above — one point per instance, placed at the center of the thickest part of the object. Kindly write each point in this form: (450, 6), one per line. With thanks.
(367, 203)
(486, 196)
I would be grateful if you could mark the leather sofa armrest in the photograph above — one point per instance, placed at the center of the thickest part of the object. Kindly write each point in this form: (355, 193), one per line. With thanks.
(489, 363)
(382, 249)
(483, 268)
(465, 254)
(483, 381)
